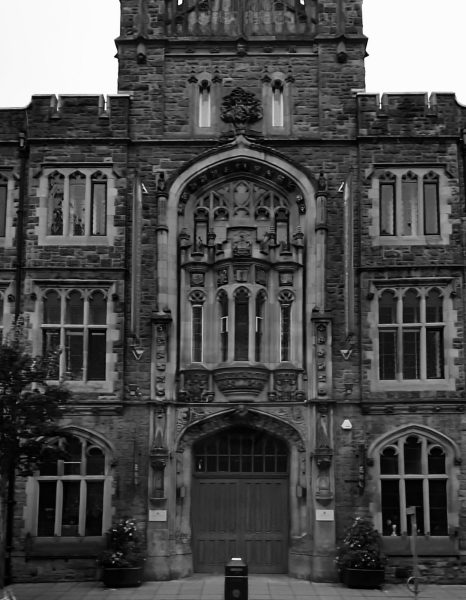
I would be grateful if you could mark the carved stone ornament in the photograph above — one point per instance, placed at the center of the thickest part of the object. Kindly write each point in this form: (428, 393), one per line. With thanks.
(248, 382)
(195, 384)
(197, 279)
(285, 383)
(240, 108)
(242, 246)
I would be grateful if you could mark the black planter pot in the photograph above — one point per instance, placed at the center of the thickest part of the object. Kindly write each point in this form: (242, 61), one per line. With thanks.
(363, 578)
(117, 577)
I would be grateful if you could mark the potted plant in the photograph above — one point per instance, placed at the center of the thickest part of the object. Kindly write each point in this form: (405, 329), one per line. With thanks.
(360, 560)
(123, 561)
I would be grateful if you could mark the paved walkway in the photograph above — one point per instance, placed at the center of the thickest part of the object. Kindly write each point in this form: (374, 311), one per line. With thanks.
(201, 587)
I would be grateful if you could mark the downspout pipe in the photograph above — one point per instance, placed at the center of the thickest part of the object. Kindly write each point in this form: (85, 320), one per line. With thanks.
(23, 149)
(23, 183)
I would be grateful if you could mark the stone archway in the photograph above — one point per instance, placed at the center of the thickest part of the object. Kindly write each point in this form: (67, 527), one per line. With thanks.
(199, 488)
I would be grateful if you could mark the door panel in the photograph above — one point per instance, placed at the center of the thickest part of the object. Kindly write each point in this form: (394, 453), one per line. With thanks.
(240, 516)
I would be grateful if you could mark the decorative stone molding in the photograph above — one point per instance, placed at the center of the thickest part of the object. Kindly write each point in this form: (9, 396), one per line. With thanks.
(162, 322)
(241, 382)
(226, 419)
(240, 108)
(285, 382)
(195, 385)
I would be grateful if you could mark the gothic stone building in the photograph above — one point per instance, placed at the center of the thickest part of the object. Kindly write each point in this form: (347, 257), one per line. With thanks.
(254, 273)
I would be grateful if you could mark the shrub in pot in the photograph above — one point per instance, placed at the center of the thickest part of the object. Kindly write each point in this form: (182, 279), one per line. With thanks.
(123, 561)
(360, 560)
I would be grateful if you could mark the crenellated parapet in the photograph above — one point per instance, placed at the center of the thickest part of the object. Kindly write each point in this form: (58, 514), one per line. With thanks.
(87, 116)
(143, 20)
(409, 114)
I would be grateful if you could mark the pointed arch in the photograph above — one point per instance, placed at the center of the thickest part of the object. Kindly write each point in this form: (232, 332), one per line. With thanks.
(241, 416)
(414, 429)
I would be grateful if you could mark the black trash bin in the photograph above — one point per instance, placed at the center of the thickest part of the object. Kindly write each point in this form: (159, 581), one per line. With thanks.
(236, 580)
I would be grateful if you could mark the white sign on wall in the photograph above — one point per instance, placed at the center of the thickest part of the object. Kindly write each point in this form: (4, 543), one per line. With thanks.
(157, 515)
(325, 515)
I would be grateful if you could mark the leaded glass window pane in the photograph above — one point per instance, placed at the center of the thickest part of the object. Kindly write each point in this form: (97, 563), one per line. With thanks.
(391, 507)
(411, 307)
(242, 325)
(438, 507)
(77, 191)
(434, 353)
(70, 514)
(387, 354)
(47, 503)
(55, 204)
(431, 209)
(197, 333)
(3, 197)
(94, 507)
(387, 209)
(99, 208)
(409, 197)
(412, 455)
(411, 354)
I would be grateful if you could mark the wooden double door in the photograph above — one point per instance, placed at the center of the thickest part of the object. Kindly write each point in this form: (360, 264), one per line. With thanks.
(240, 503)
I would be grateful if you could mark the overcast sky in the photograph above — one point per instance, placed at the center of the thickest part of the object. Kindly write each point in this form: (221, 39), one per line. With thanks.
(67, 46)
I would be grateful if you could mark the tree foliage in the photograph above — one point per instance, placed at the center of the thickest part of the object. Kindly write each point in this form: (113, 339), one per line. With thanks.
(29, 408)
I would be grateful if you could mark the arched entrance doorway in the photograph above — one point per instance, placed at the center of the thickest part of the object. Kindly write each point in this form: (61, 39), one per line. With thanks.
(240, 501)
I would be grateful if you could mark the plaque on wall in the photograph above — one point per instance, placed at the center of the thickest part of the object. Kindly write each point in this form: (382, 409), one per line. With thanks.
(157, 515)
(325, 515)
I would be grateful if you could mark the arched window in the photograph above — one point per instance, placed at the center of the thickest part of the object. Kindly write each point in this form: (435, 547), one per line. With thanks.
(260, 304)
(387, 204)
(205, 109)
(56, 191)
(197, 299)
(77, 203)
(413, 472)
(73, 492)
(223, 302)
(241, 450)
(242, 324)
(278, 110)
(431, 204)
(410, 208)
(285, 298)
(98, 204)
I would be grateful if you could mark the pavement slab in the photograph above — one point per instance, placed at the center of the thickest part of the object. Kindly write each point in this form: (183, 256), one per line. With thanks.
(211, 587)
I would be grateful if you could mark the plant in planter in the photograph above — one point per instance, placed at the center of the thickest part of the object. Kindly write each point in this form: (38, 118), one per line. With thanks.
(360, 560)
(122, 563)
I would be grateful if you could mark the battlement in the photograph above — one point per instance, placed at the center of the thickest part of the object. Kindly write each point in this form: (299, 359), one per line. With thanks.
(410, 114)
(69, 115)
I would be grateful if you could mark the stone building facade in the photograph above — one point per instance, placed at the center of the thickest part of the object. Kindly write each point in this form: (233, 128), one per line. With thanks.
(254, 272)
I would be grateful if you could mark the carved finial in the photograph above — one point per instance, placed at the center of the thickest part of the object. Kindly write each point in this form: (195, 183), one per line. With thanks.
(290, 76)
(192, 77)
(265, 75)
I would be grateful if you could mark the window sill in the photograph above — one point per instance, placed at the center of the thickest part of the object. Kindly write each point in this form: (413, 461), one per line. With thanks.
(64, 547)
(82, 240)
(417, 240)
(84, 386)
(447, 385)
(426, 545)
